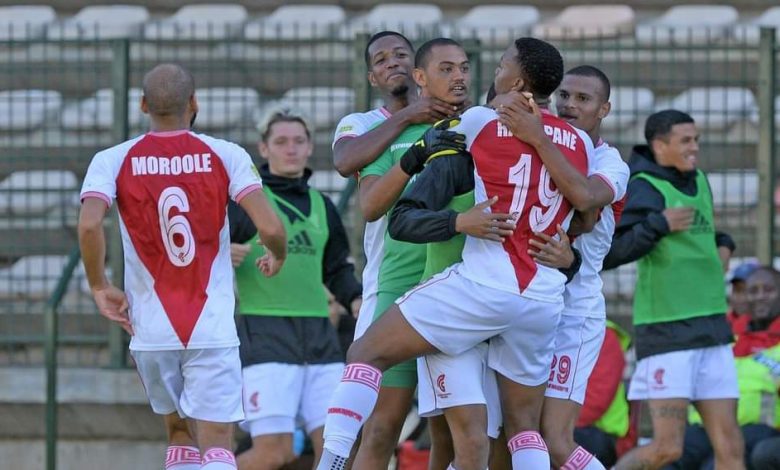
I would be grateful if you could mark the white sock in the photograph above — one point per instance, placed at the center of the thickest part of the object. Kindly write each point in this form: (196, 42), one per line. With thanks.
(350, 406)
(529, 452)
(217, 458)
(182, 458)
(329, 461)
(581, 459)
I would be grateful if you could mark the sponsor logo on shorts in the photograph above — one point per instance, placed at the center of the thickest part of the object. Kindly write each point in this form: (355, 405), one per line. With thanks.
(442, 386)
(658, 376)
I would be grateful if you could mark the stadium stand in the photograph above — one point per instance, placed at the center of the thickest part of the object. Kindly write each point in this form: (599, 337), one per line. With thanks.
(589, 21)
(496, 24)
(714, 108)
(36, 192)
(97, 111)
(32, 277)
(297, 22)
(207, 21)
(26, 110)
(734, 189)
(689, 24)
(25, 21)
(222, 108)
(413, 19)
(323, 106)
(750, 31)
(101, 22)
(629, 106)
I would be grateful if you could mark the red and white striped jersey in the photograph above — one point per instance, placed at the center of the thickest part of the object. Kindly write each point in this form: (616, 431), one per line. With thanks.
(583, 294)
(512, 170)
(172, 190)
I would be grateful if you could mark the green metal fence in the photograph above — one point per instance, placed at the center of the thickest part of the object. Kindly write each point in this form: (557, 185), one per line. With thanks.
(61, 100)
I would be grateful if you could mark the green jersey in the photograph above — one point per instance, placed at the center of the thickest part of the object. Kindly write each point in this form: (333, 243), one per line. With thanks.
(402, 264)
(682, 277)
(441, 255)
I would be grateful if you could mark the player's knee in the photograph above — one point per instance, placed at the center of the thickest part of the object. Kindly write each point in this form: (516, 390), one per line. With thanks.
(473, 446)
(380, 435)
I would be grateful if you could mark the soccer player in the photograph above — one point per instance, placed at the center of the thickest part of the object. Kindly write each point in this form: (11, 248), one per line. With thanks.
(359, 139)
(172, 188)
(498, 292)
(681, 333)
(290, 352)
(583, 101)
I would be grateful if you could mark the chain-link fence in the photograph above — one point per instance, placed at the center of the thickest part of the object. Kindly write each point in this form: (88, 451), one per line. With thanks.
(66, 95)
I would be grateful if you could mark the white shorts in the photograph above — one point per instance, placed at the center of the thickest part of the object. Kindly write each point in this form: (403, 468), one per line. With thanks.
(203, 384)
(279, 397)
(577, 346)
(454, 314)
(448, 381)
(694, 374)
(366, 315)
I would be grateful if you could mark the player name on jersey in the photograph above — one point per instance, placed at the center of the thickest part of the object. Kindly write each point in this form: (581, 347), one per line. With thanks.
(559, 136)
(176, 165)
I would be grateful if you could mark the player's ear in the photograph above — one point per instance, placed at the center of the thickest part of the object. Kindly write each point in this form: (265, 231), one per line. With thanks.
(605, 109)
(419, 77)
(144, 105)
(263, 148)
(193, 104)
(519, 85)
(372, 79)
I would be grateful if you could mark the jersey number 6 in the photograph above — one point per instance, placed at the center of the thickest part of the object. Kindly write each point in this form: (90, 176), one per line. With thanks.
(549, 198)
(176, 231)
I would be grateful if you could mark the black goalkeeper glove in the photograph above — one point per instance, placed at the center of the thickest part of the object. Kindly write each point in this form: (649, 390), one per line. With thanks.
(437, 141)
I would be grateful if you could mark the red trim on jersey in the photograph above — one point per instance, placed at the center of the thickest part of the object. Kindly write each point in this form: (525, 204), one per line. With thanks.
(97, 195)
(617, 209)
(384, 111)
(244, 192)
(168, 133)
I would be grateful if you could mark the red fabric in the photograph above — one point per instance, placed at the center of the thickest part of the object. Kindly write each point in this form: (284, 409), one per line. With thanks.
(738, 321)
(629, 441)
(410, 458)
(604, 381)
(751, 342)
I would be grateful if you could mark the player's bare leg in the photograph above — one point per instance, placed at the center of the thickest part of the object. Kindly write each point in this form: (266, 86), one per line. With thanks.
(442, 452)
(522, 409)
(389, 341)
(215, 441)
(720, 422)
(499, 454)
(558, 420)
(268, 452)
(316, 444)
(669, 418)
(383, 429)
(468, 425)
(182, 452)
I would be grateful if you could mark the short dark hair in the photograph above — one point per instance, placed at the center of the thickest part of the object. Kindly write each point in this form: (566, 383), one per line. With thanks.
(424, 52)
(541, 64)
(380, 35)
(168, 89)
(591, 71)
(659, 124)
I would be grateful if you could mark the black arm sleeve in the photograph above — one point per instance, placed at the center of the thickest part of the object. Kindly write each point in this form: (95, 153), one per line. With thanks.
(242, 229)
(338, 272)
(418, 216)
(572, 270)
(641, 226)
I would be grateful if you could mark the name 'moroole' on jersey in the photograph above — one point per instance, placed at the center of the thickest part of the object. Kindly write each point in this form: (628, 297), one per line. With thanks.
(172, 190)
(511, 169)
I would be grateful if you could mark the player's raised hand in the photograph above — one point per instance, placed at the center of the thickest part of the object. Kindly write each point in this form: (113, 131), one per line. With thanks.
(678, 218)
(480, 223)
(514, 99)
(112, 304)
(426, 110)
(551, 252)
(238, 252)
(437, 141)
(524, 124)
(268, 264)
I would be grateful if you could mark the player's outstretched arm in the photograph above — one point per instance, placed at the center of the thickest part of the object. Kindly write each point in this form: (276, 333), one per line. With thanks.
(351, 155)
(270, 230)
(582, 192)
(112, 302)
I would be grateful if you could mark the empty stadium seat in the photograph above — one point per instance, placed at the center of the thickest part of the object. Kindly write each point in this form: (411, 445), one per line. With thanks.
(207, 21)
(101, 22)
(714, 108)
(496, 24)
(751, 31)
(689, 24)
(24, 110)
(329, 182)
(221, 108)
(588, 21)
(97, 111)
(412, 19)
(32, 277)
(734, 188)
(321, 106)
(297, 22)
(629, 104)
(38, 191)
(24, 22)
